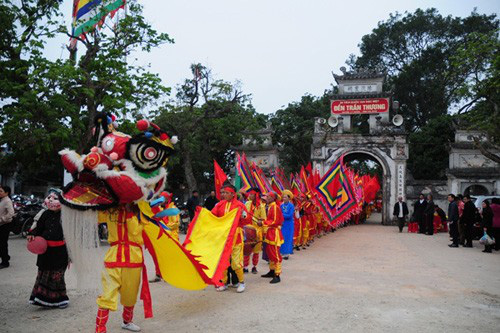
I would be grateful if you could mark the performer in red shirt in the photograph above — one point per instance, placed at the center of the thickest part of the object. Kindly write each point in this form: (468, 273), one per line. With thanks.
(230, 202)
(274, 238)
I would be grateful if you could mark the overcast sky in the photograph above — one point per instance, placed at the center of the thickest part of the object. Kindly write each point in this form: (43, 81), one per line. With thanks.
(278, 49)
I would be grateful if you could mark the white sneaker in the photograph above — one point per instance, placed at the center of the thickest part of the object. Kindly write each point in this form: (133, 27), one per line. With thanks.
(234, 285)
(221, 288)
(241, 288)
(131, 327)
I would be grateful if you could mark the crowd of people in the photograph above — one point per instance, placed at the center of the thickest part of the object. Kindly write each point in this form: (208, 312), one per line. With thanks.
(270, 227)
(463, 220)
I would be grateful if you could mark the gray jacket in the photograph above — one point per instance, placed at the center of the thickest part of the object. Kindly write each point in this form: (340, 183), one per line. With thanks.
(6, 211)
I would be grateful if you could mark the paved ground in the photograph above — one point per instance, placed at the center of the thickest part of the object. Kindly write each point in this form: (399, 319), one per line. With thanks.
(366, 278)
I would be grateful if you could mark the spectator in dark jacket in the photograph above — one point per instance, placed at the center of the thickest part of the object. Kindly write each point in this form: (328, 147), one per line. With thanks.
(468, 218)
(419, 213)
(192, 203)
(429, 215)
(495, 208)
(453, 219)
(211, 201)
(400, 212)
(487, 223)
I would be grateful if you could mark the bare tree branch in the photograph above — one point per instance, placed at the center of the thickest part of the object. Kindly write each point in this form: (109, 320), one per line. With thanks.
(479, 145)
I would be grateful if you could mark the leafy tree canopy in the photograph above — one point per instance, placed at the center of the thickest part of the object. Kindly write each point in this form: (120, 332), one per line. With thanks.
(46, 105)
(210, 116)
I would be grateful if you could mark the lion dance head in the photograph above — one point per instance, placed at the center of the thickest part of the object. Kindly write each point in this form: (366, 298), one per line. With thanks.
(120, 169)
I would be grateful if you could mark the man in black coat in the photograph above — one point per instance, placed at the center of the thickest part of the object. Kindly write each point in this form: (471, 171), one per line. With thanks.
(192, 203)
(453, 220)
(419, 213)
(211, 201)
(468, 218)
(400, 212)
(429, 215)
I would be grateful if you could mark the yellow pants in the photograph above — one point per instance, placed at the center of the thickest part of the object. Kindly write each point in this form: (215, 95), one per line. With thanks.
(305, 233)
(275, 266)
(123, 281)
(236, 263)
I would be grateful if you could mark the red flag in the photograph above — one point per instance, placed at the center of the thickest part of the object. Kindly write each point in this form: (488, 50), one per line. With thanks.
(219, 178)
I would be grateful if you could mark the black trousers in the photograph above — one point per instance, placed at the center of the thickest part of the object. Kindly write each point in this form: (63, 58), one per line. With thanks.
(429, 222)
(401, 223)
(422, 227)
(469, 229)
(4, 239)
(454, 232)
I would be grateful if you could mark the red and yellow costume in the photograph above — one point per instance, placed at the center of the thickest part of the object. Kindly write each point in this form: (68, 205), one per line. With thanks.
(173, 222)
(257, 211)
(222, 208)
(297, 225)
(274, 238)
(124, 265)
(306, 222)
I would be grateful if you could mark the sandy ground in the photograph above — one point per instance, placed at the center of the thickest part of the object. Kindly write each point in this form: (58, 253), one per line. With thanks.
(366, 278)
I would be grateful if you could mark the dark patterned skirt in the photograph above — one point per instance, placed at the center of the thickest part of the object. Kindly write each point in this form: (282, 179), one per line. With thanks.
(50, 289)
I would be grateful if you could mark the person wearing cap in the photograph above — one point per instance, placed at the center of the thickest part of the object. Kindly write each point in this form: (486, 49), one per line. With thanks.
(257, 210)
(228, 203)
(274, 237)
(172, 223)
(288, 211)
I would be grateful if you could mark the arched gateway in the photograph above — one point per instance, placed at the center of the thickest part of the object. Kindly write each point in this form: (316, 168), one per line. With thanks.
(361, 93)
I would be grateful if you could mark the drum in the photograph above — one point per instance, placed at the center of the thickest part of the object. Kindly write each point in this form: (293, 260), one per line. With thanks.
(251, 240)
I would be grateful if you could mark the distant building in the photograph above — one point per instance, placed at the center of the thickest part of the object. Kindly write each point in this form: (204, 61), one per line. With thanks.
(259, 149)
(471, 172)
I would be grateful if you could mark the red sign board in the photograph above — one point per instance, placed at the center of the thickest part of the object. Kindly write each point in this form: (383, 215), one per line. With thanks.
(360, 106)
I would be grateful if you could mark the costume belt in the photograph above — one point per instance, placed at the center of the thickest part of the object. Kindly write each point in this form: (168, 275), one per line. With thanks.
(55, 243)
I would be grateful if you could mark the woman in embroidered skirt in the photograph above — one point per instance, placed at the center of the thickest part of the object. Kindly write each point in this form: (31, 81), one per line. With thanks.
(50, 288)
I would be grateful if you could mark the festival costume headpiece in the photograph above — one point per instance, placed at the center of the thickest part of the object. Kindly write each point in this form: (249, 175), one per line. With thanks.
(272, 195)
(289, 193)
(229, 188)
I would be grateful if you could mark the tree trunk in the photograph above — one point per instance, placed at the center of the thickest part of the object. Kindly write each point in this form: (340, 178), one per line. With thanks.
(188, 168)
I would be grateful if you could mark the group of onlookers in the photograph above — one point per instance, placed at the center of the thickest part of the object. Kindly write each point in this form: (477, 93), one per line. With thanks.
(464, 219)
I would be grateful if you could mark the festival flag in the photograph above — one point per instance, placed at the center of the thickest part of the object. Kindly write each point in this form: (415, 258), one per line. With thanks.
(294, 185)
(335, 190)
(276, 186)
(219, 178)
(244, 173)
(203, 257)
(89, 14)
(260, 179)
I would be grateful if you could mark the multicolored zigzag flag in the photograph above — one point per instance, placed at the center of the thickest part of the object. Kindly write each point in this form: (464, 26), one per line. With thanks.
(87, 14)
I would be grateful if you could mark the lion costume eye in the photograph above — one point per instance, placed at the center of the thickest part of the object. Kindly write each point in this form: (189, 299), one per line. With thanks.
(108, 144)
(147, 155)
(150, 153)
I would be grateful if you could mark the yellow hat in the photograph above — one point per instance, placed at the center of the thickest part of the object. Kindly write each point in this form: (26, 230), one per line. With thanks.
(289, 193)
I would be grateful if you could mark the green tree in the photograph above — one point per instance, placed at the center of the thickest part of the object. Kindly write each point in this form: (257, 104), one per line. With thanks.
(209, 116)
(293, 129)
(429, 148)
(48, 105)
(480, 89)
(415, 49)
